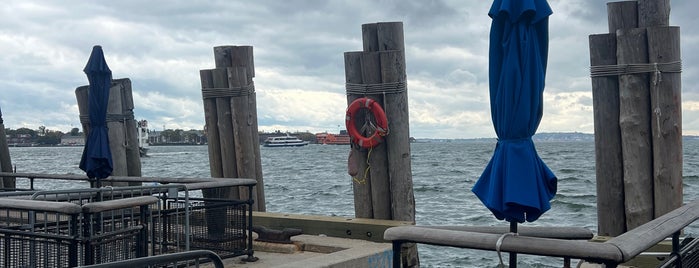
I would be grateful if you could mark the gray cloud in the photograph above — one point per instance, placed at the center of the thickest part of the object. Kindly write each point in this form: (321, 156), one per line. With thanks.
(298, 46)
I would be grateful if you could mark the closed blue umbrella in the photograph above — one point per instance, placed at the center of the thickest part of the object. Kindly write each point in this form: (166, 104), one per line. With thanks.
(96, 160)
(516, 185)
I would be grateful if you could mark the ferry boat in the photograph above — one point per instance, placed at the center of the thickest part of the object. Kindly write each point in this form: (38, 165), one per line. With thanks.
(142, 130)
(328, 138)
(284, 141)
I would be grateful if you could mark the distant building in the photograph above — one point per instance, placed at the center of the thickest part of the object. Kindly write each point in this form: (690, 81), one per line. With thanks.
(70, 140)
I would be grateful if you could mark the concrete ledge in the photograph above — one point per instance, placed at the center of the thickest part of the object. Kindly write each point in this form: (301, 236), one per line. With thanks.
(309, 251)
(343, 227)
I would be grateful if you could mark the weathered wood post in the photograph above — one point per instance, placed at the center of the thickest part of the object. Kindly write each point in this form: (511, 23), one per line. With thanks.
(608, 159)
(361, 180)
(5, 161)
(231, 120)
(664, 48)
(123, 139)
(384, 79)
(646, 61)
(634, 120)
(133, 154)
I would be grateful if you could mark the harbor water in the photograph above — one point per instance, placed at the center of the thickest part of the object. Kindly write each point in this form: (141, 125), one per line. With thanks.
(313, 180)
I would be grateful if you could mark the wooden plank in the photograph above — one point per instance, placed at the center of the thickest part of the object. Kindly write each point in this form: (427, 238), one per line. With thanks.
(666, 122)
(634, 122)
(361, 182)
(608, 158)
(353, 228)
(653, 13)
(622, 15)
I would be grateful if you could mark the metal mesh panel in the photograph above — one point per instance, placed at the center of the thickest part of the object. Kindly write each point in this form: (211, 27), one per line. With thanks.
(37, 239)
(215, 224)
(25, 249)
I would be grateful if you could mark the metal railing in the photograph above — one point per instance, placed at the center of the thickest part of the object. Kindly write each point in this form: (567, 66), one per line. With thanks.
(611, 253)
(179, 221)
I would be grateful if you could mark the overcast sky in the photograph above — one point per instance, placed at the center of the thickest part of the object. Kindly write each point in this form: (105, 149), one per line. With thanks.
(298, 53)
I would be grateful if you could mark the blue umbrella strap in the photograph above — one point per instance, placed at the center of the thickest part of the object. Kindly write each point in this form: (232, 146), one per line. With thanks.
(498, 244)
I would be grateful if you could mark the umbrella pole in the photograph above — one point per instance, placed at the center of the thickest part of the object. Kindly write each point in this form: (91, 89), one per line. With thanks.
(513, 255)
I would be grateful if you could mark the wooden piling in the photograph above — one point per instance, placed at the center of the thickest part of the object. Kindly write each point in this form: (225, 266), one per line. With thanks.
(211, 121)
(653, 13)
(608, 157)
(386, 39)
(117, 137)
(121, 124)
(622, 15)
(225, 133)
(389, 40)
(5, 161)
(231, 118)
(361, 182)
(666, 121)
(634, 122)
(648, 69)
(133, 154)
(377, 156)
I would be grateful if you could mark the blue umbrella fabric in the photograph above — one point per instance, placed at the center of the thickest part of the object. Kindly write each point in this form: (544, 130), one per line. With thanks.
(516, 185)
(96, 160)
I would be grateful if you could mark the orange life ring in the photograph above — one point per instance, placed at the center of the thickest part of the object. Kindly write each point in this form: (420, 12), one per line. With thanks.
(381, 122)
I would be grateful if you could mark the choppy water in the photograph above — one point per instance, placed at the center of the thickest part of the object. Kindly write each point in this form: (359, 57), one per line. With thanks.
(313, 180)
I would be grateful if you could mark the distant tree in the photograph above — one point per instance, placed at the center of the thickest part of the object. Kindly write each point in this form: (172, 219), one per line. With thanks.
(42, 130)
(75, 131)
(50, 137)
(25, 130)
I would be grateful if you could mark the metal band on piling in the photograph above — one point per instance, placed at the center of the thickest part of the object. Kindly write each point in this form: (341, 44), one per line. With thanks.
(211, 93)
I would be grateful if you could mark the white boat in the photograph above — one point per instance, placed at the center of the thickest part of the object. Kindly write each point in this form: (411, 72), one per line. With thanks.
(284, 141)
(143, 138)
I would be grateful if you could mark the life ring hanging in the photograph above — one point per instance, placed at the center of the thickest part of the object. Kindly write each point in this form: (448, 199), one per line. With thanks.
(379, 115)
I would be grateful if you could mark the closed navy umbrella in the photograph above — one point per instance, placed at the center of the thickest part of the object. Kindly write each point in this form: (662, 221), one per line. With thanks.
(516, 185)
(96, 160)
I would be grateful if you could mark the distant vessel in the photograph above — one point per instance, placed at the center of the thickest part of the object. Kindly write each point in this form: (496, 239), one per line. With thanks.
(284, 141)
(328, 138)
(143, 138)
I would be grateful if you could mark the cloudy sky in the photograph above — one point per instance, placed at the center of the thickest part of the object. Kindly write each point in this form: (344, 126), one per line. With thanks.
(298, 53)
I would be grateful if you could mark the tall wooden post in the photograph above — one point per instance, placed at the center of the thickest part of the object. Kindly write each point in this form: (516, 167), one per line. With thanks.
(608, 159)
(634, 120)
(361, 180)
(231, 120)
(123, 140)
(666, 122)
(5, 161)
(133, 154)
(383, 67)
(647, 65)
